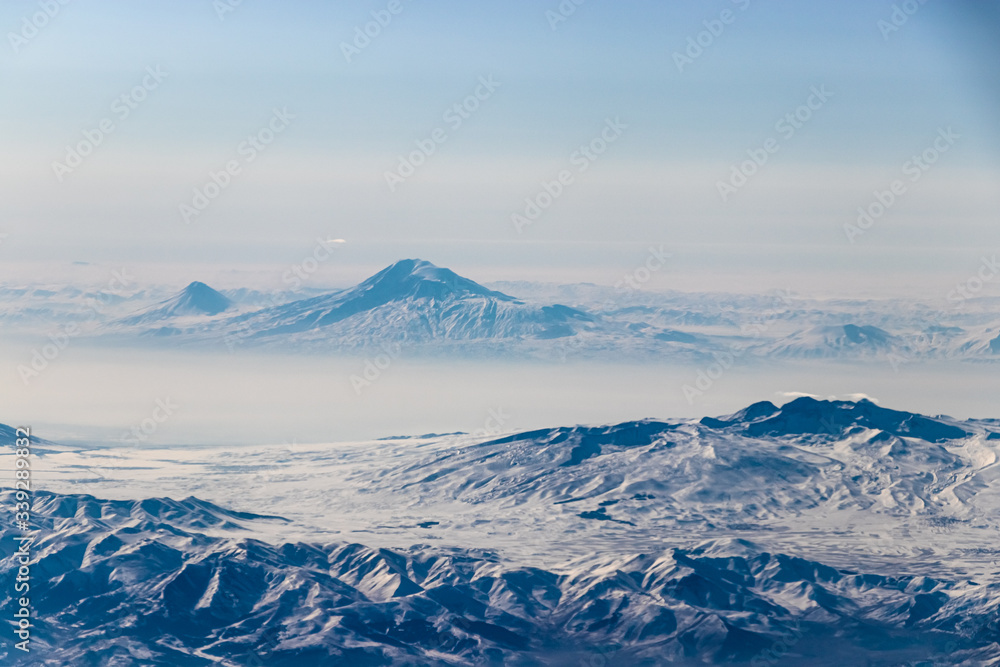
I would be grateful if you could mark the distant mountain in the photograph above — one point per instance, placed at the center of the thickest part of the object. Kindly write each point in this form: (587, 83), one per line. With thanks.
(10, 434)
(197, 299)
(7, 434)
(833, 341)
(434, 311)
(410, 301)
(981, 343)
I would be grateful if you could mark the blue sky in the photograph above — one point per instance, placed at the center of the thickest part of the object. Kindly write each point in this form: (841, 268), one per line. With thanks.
(658, 183)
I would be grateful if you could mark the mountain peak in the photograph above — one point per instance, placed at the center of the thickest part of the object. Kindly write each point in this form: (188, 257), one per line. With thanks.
(417, 278)
(413, 265)
(752, 413)
(809, 416)
(195, 299)
(199, 299)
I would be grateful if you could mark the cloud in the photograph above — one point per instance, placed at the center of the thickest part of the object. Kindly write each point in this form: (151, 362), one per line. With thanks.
(856, 397)
(792, 395)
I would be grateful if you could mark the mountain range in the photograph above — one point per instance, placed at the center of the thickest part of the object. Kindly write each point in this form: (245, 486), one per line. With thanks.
(432, 310)
(811, 533)
(409, 302)
(122, 582)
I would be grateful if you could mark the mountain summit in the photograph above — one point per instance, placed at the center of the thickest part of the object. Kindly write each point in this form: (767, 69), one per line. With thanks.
(807, 415)
(828, 341)
(198, 299)
(417, 278)
(411, 300)
(194, 300)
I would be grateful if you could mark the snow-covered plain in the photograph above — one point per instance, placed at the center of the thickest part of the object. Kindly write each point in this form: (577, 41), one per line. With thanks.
(817, 533)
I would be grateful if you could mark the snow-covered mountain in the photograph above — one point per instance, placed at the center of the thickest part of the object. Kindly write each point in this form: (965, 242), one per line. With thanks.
(803, 462)
(979, 343)
(410, 301)
(160, 582)
(433, 311)
(834, 341)
(812, 533)
(808, 416)
(195, 300)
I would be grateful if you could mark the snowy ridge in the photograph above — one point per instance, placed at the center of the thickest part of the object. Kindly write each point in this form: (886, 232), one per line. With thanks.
(808, 416)
(764, 466)
(142, 583)
(817, 532)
